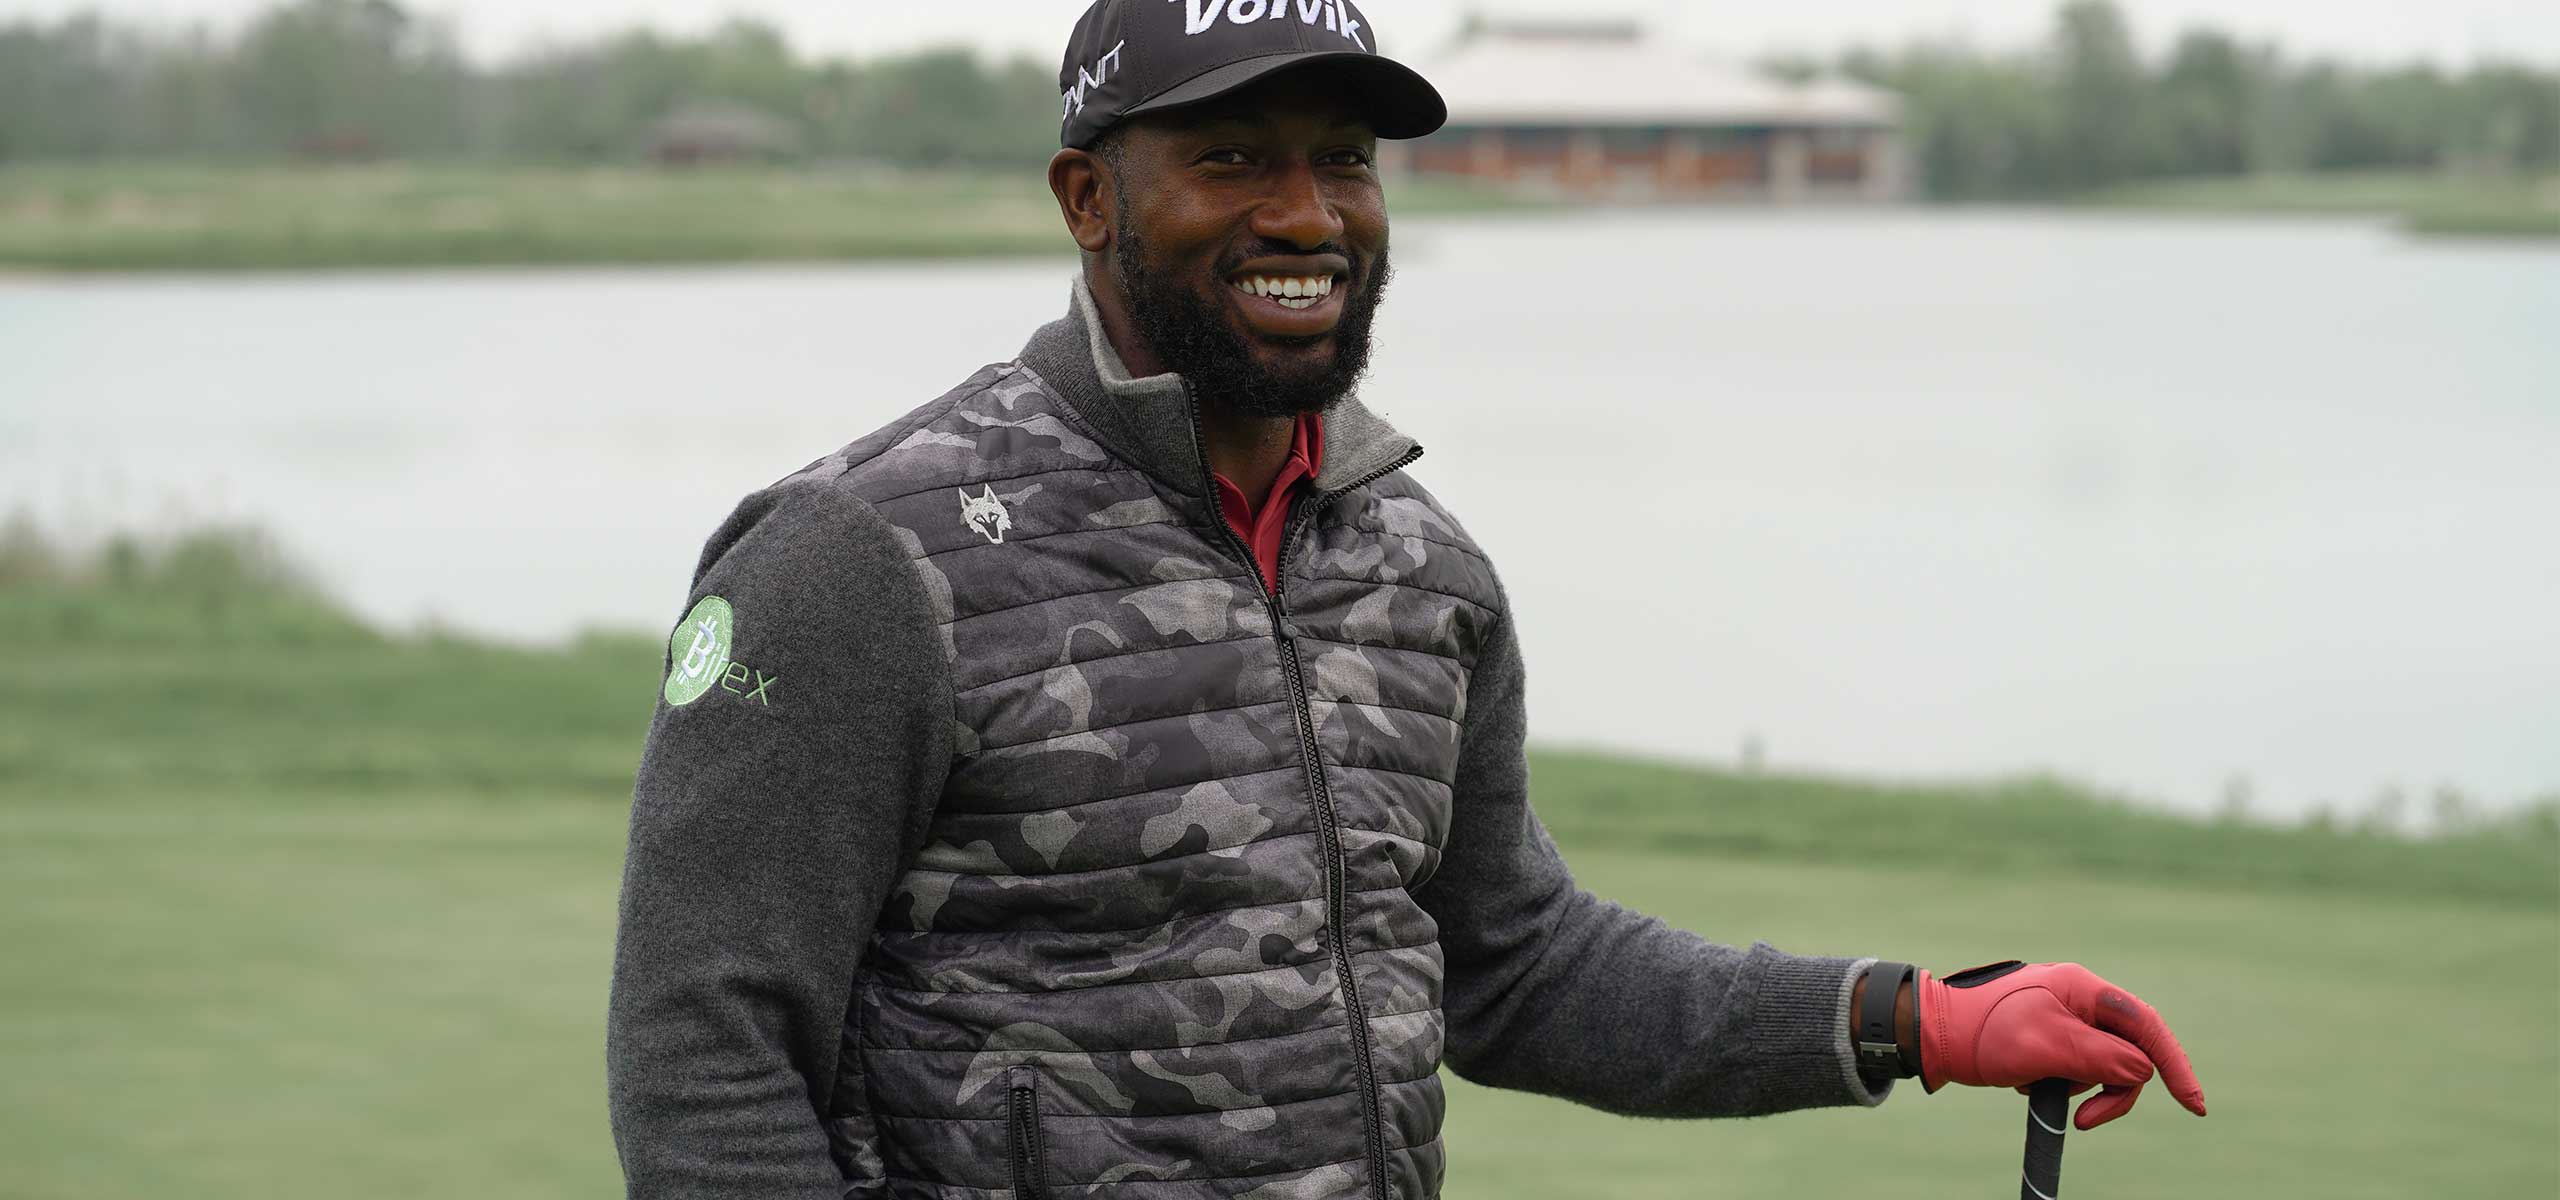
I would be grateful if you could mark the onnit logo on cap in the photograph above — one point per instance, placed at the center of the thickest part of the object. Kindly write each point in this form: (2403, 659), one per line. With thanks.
(1089, 78)
(1197, 19)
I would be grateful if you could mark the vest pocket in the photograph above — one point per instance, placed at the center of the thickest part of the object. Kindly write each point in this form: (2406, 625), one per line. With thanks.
(852, 1138)
(1022, 1133)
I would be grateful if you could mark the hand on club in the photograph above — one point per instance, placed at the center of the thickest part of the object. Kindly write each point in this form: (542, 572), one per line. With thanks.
(2011, 1024)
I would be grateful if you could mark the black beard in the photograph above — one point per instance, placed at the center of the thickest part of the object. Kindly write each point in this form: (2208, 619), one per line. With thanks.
(1195, 340)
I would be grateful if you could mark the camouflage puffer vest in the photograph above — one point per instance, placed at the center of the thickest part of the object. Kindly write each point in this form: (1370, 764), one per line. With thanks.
(1159, 943)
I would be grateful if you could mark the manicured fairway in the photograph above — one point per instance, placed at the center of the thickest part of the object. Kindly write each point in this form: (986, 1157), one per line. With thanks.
(2348, 1048)
(223, 996)
(216, 997)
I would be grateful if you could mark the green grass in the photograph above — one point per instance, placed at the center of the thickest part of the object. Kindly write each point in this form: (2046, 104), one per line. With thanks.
(297, 909)
(189, 216)
(2459, 219)
(2448, 203)
(2349, 1046)
(165, 216)
(2032, 825)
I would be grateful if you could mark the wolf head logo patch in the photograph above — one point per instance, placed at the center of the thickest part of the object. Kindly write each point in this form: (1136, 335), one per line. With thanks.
(986, 514)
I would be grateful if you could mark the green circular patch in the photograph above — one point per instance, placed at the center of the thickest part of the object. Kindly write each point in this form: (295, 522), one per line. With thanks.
(698, 651)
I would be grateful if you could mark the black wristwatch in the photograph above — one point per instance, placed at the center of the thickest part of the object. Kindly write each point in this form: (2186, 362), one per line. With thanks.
(1880, 1054)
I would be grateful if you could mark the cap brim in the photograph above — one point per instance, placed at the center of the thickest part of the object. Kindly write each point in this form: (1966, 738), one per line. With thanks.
(1398, 102)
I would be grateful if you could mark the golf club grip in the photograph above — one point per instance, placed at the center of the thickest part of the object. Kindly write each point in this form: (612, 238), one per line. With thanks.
(2048, 1107)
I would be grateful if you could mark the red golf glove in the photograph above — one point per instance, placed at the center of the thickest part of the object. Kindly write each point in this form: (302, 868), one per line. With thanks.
(2009, 1025)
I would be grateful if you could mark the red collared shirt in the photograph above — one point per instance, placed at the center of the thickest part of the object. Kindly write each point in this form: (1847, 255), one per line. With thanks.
(1262, 528)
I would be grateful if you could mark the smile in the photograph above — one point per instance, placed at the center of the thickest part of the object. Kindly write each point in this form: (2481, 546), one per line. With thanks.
(1292, 292)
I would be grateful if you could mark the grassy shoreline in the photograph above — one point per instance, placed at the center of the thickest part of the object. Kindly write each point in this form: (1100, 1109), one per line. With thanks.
(138, 641)
(180, 216)
(2421, 203)
(173, 216)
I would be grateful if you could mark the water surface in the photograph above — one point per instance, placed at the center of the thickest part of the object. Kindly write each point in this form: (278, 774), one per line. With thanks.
(2152, 502)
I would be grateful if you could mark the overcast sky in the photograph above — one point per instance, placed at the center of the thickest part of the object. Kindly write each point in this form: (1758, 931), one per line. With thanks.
(2449, 31)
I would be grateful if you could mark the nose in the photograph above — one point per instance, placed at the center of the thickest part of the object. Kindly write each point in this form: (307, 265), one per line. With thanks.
(1296, 210)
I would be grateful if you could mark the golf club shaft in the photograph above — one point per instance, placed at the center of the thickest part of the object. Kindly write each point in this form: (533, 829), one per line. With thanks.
(2048, 1106)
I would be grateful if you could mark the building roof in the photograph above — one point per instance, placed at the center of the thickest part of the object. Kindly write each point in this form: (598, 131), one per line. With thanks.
(1610, 73)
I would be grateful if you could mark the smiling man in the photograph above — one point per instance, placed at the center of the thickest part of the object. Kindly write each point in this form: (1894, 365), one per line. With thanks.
(1108, 777)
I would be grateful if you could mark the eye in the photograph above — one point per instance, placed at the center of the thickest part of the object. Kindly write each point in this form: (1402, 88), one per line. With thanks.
(1350, 156)
(1225, 156)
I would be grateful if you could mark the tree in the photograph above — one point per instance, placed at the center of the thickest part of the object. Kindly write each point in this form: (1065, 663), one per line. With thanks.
(2510, 118)
(2099, 94)
(2205, 108)
(943, 106)
(2080, 110)
(348, 76)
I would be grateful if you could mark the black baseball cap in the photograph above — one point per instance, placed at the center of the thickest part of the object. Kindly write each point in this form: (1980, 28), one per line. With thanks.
(1139, 56)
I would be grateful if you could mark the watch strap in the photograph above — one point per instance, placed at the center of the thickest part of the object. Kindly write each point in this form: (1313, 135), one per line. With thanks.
(1879, 1050)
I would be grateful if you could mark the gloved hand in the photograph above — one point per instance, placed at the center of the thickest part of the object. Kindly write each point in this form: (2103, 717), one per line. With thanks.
(2009, 1024)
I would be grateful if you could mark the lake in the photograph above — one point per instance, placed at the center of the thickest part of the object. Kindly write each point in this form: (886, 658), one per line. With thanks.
(2157, 503)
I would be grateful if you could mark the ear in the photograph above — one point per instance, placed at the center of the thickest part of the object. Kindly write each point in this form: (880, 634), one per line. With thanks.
(1080, 181)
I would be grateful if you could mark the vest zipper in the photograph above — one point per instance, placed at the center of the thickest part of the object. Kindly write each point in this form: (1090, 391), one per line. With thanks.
(1311, 759)
(1022, 1128)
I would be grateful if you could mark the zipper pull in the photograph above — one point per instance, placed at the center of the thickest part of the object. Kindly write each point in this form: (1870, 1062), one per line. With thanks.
(1284, 629)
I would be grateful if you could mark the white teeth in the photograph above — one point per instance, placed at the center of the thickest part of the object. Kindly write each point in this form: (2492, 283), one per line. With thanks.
(1293, 293)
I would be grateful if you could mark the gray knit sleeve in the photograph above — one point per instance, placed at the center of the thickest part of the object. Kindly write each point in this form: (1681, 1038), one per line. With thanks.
(1551, 989)
(802, 734)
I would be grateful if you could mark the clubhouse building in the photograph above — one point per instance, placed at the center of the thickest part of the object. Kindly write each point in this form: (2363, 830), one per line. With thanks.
(1600, 111)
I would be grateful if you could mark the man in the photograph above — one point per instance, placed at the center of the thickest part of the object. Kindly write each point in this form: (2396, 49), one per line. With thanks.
(1109, 775)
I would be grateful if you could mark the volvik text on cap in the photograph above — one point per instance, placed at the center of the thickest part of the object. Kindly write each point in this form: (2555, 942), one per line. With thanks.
(1128, 57)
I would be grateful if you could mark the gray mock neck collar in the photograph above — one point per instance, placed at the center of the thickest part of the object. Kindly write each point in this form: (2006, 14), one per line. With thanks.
(1106, 358)
(1149, 421)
